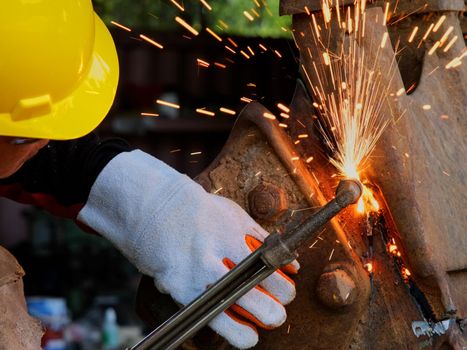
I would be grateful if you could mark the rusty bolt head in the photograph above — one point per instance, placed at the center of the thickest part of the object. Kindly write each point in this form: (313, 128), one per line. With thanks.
(336, 289)
(267, 202)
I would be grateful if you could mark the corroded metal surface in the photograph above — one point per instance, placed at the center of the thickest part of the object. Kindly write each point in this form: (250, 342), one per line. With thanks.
(251, 158)
(254, 155)
(403, 7)
(18, 330)
(385, 322)
(425, 149)
(336, 288)
(421, 151)
(267, 202)
(418, 164)
(259, 150)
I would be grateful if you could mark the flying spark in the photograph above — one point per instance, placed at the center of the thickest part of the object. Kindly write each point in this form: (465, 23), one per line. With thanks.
(180, 7)
(168, 104)
(217, 37)
(448, 46)
(283, 107)
(248, 16)
(121, 26)
(202, 63)
(223, 24)
(230, 40)
(186, 26)
(263, 47)
(330, 256)
(151, 41)
(350, 93)
(446, 35)
(205, 112)
(438, 24)
(386, 13)
(412, 35)
(230, 49)
(269, 116)
(245, 54)
(227, 111)
(433, 48)
(205, 4)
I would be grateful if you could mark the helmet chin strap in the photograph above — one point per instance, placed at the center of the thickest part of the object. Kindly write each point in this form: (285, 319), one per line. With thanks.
(23, 141)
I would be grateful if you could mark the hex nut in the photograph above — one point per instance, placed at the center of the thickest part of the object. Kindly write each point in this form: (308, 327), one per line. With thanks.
(267, 202)
(336, 289)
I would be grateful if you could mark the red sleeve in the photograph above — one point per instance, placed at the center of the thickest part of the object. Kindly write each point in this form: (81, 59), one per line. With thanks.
(59, 178)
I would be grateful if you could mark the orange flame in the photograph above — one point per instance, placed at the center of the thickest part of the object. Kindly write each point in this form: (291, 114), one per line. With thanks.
(367, 201)
(369, 267)
(392, 249)
(406, 273)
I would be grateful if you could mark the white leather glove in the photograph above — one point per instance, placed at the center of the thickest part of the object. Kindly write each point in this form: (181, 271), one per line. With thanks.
(170, 228)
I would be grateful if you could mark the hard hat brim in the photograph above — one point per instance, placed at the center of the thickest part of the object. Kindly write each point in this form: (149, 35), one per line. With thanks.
(85, 108)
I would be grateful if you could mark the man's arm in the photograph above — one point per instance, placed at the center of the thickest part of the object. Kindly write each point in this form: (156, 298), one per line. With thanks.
(59, 178)
(166, 224)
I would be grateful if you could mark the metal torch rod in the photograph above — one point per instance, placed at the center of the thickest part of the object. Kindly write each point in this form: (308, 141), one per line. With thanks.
(277, 250)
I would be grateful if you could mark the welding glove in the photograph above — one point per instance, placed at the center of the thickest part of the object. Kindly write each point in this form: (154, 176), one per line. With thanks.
(170, 228)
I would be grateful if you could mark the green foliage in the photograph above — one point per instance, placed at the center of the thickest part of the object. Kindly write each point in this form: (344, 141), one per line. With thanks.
(227, 16)
(266, 23)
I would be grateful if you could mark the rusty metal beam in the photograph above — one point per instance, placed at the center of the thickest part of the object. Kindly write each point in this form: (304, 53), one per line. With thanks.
(402, 7)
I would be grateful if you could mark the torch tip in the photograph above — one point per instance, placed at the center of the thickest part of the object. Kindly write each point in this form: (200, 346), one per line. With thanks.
(348, 192)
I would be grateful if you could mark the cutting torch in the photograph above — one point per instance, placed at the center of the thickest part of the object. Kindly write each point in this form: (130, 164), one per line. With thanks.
(278, 250)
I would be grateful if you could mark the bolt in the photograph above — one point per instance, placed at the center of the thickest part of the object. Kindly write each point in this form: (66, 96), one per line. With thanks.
(336, 289)
(267, 202)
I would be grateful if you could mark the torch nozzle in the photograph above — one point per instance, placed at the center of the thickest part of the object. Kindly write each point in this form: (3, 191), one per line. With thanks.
(348, 192)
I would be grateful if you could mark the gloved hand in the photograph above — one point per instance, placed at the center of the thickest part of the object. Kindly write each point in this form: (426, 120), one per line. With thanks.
(170, 228)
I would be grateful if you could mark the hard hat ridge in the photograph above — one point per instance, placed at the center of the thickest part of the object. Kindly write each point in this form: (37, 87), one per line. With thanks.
(58, 67)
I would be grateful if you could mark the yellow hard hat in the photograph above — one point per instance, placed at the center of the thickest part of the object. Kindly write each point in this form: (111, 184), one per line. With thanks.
(58, 69)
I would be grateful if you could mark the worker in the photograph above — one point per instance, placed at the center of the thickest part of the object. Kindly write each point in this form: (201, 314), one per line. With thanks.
(59, 74)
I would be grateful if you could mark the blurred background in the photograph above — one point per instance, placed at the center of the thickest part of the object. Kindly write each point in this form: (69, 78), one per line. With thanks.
(82, 285)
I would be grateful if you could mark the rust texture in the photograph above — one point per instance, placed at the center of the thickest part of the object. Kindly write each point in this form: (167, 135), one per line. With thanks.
(386, 320)
(18, 330)
(379, 318)
(336, 288)
(418, 167)
(258, 151)
(417, 171)
(403, 7)
(267, 202)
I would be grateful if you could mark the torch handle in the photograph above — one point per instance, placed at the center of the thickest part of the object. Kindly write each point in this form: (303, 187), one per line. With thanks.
(221, 295)
(281, 249)
(277, 250)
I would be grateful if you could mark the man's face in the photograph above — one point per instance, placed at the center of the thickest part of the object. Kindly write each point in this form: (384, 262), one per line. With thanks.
(13, 156)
